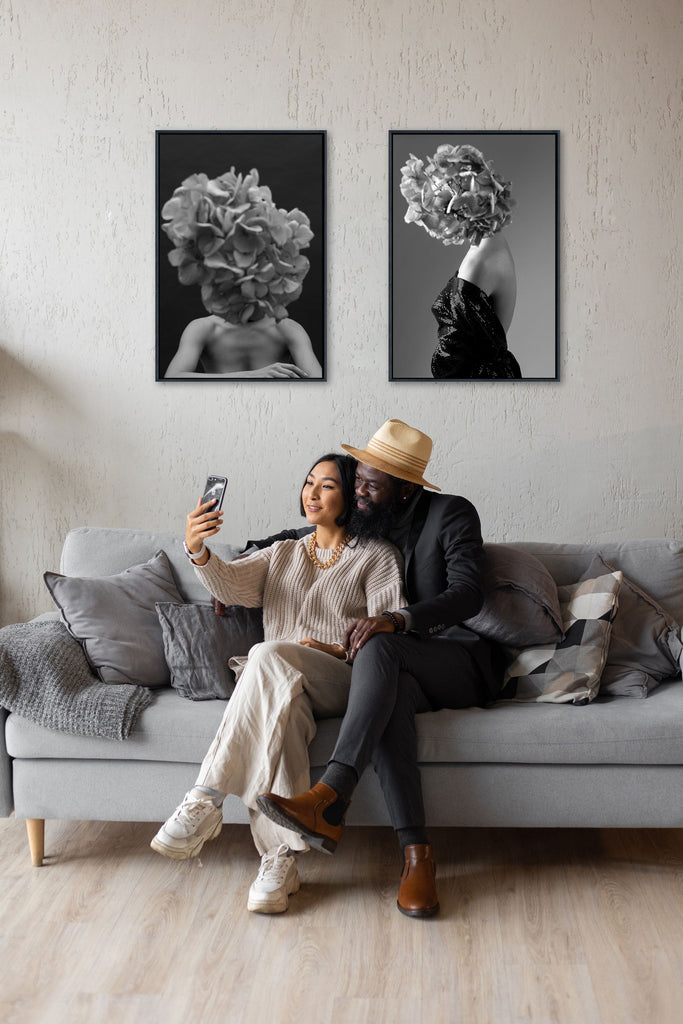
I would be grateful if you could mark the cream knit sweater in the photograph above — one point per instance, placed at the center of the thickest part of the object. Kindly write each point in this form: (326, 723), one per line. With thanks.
(301, 600)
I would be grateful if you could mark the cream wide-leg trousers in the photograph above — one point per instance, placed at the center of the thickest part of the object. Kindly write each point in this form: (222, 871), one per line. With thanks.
(262, 742)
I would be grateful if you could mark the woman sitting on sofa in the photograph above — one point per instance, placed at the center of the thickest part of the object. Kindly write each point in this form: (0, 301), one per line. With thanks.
(311, 590)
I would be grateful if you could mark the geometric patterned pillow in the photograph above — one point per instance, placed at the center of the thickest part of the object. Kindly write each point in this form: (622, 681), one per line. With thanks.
(569, 671)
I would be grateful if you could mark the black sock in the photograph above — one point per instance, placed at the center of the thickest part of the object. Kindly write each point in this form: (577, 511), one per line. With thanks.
(416, 835)
(343, 780)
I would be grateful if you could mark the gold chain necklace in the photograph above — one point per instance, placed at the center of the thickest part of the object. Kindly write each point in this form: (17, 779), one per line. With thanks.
(334, 557)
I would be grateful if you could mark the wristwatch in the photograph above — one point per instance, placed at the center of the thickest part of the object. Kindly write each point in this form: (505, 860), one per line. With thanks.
(192, 555)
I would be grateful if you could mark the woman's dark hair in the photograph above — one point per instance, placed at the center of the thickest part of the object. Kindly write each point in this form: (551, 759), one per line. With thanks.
(346, 467)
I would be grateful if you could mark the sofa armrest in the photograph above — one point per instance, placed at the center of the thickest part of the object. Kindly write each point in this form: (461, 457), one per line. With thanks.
(6, 797)
(6, 790)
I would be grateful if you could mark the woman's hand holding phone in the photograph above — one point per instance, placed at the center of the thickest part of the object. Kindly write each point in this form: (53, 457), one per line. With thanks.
(202, 522)
(206, 518)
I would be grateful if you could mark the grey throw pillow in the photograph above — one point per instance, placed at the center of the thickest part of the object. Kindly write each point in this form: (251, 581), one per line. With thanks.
(115, 619)
(198, 645)
(521, 606)
(645, 645)
(620, 681)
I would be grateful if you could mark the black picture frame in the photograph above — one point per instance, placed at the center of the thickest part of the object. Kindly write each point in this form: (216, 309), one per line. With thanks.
(292, 164)
(420, 265)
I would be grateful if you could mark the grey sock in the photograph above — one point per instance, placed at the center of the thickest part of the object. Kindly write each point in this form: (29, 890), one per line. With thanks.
(216, 796)
(342, 778)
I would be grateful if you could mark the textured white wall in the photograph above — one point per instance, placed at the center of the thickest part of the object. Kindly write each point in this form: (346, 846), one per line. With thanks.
(88, 437)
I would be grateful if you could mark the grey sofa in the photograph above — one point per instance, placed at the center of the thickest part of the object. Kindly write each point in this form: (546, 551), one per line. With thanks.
(616, 762)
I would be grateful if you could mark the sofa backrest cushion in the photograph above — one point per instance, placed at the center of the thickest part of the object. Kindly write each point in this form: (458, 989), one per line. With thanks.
(656, 566)
(104, 551)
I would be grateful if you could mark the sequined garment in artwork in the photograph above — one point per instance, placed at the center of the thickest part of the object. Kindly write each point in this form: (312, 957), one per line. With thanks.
(472, 343)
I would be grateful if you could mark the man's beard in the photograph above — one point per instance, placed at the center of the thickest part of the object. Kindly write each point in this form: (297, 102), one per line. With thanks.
(378, 522)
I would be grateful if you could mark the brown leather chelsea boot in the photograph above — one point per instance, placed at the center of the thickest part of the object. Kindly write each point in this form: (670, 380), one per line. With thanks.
(304, 814)
(417, 896)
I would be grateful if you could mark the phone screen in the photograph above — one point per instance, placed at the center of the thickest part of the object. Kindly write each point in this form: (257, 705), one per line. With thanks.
(214, 488)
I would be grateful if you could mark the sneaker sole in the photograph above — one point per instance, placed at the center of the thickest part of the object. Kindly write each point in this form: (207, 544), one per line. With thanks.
(323, 844)
(188, 852)
(269, 906)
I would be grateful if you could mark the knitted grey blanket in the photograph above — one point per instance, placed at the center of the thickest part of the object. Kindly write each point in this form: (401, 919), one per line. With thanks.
(45, 677)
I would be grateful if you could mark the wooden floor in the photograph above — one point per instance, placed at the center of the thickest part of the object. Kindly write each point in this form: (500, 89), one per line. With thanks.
(549, 926)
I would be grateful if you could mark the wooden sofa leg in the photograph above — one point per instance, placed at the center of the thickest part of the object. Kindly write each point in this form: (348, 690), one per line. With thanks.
(35, 827)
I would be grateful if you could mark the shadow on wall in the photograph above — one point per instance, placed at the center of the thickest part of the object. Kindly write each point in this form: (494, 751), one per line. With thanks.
(35, 473)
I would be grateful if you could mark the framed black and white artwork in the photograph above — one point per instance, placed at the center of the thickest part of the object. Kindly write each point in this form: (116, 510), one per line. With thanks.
(240, 255)
(473, 255)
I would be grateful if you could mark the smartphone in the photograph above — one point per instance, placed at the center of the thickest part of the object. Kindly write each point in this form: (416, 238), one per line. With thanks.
(214, 487)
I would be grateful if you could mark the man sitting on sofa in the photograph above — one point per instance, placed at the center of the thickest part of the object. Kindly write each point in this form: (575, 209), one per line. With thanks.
(406, 660)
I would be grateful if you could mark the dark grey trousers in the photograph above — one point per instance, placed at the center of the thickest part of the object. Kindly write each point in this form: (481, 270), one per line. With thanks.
(394, 678)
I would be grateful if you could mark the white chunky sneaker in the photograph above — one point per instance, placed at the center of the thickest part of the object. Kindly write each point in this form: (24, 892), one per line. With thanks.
(277, 879)
(194, 822)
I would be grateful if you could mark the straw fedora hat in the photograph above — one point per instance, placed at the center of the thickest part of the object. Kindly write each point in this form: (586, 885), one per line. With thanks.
(399, 450)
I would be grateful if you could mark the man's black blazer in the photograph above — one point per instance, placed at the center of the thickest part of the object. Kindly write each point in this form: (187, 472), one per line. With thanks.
(443, 574)
(443, 557)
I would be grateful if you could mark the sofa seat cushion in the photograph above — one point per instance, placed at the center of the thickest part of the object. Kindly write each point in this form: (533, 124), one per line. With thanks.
(608, 731)
(615, 731)
(176, 730)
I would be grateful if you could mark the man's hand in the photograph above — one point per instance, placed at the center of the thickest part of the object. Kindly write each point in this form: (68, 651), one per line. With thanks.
(360, 631)
(336, 650)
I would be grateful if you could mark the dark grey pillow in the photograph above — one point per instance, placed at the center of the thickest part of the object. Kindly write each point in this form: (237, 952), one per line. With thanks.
(115, 619)
(521, 607)
(645, 645)
(620, 681)
(198, 645)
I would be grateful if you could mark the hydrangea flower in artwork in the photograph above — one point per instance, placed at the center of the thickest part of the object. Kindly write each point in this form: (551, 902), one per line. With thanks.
(231, 239)
(456, 195)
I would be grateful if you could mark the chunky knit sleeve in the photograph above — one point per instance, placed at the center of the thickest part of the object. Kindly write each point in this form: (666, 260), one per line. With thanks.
(238, 582)
(384, 580)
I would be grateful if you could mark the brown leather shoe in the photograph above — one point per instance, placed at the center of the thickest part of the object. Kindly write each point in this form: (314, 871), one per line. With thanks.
(417, 892)
(304, 814)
